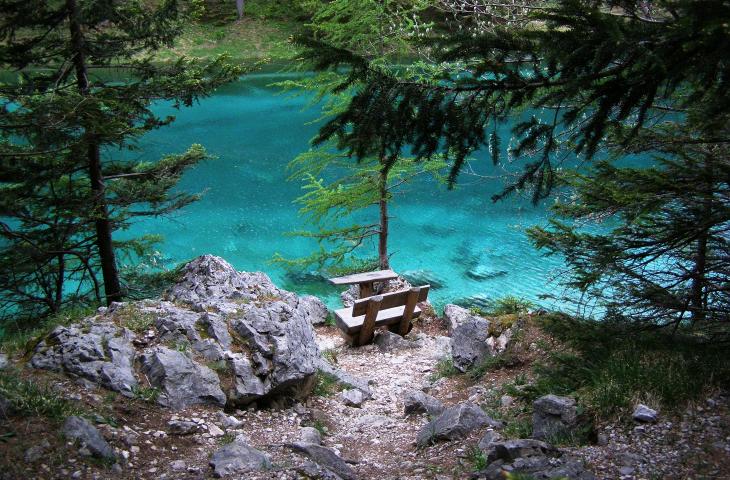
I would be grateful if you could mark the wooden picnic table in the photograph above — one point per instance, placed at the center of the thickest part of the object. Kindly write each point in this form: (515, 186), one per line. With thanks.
(365, 280)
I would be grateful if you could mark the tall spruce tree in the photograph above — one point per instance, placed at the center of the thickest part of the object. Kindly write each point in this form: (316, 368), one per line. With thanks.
(625, 76)
(82, 92)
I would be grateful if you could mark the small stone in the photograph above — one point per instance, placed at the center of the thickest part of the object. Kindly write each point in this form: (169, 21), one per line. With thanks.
(215, 431)
(456, 422)
(352, 398)
(181, 427)
(178, 465)
(507, 401)
(134, 449)
(416, 401)
(238, 458)
(642, 413)
(4, 362)
(602, 440)
(76, 474)
(229, 421)
(35, 453)
(80, 430)
(626, 471)
(309, 435)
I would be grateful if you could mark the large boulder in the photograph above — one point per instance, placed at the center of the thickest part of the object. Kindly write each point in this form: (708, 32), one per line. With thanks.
(454, 423)
(553, 416)
(216, 327)
(100, 352)
(469, 343)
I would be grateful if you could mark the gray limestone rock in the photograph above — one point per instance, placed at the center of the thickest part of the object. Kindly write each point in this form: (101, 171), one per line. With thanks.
(469, 343)
(454, 423)
(100, 352)
(388, 341)
(489, 438)
(238, 458)
(416, 401)
(352, 398)
(310, 435)
(313, 309)
(644, 414)
(553, 415)
(511, 450)
(325, 458)
(456, 315)
(182, 427)
(87, 436)
(183, 381)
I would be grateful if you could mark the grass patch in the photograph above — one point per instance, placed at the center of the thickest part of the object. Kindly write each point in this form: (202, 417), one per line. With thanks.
(219, 366)
(146, 394)
(507, 305)
(330, 320)
(325, 384)
(444, 369)
(505, 359)
(610, 368)
(131, 317)
(22, 339)
(226, 439)
(330, 354)
(30, 398)
(477, 459)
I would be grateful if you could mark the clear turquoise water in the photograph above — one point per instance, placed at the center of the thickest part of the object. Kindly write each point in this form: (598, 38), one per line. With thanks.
(248, 205)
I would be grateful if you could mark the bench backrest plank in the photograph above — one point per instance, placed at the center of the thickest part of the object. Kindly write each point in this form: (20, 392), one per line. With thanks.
(390, 300)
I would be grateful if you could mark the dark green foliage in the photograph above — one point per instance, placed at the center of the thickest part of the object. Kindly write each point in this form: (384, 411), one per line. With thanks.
(609, 367)
(663, 257)
(80, 93)
(597, 72)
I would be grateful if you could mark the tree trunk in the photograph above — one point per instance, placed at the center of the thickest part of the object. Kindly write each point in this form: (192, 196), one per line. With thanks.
(699, 280)
(240, 8)
(112, 286)
(383, 235)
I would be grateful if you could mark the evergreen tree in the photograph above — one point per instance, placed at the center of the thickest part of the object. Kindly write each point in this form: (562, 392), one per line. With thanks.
(378, 30)
(84, 87)
(647, 78)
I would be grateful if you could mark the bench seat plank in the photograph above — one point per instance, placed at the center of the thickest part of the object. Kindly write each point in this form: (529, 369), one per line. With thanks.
(351, 325)
(377, 276)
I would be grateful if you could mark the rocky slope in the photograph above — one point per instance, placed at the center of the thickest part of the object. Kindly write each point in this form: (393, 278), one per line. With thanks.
(227, 377)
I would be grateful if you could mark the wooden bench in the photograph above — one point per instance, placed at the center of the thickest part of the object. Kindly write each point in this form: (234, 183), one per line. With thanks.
(365, 280)
(394, 310)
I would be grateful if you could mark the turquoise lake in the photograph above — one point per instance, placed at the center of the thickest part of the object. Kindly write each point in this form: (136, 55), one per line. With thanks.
(459, 239)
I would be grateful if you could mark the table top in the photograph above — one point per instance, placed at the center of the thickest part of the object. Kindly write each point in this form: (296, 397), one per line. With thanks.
(367, 277)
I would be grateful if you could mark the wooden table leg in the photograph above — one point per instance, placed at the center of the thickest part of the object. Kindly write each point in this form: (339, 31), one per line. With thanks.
(366, 289)
(405, 322)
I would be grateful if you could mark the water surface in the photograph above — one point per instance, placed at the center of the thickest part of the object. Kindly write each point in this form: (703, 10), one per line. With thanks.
(459, 240)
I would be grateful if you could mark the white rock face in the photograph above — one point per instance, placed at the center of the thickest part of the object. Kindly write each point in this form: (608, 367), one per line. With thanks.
(238, 322)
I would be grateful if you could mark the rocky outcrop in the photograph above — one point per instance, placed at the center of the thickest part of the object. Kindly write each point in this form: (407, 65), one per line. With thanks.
(215, 324)
(237, 459)
(454, 423)
(455, 315)
(553, 416)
